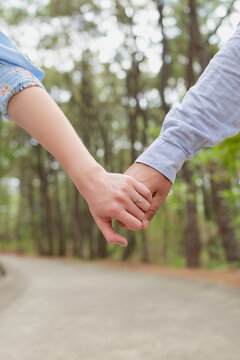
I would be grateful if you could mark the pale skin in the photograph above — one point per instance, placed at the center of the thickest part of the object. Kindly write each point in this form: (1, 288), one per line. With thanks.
(109, 196)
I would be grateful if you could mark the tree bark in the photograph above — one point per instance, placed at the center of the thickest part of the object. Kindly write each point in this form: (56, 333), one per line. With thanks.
(77, 231)
(47, 218)
(164, 73)
(145, 251)
(224, 220)
(128, 251)
(102, 246)
(193, 244)
(59, 221)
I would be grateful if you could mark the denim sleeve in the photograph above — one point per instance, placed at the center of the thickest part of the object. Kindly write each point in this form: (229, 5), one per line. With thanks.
(208, 114)
(13, 79)
(9, 53)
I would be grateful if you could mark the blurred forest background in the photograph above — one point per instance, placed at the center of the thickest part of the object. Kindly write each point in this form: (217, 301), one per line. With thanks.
(116, 67)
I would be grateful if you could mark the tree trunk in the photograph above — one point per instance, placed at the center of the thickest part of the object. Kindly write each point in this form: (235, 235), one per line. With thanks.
(207, 200)
(59, 221)
(131, 246)
(193, 245)
(224, 220)
(164, 73)
(198, 43)
(77, 231)
(102, 246)
(35, 228)
(145, 252)
(47, 219)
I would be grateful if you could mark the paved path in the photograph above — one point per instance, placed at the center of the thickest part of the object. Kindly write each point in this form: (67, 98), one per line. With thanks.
(53, 310)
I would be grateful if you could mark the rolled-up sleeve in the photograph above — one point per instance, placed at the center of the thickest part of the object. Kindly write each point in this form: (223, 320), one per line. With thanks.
(13, 79)
(17, 72)
(208, 114)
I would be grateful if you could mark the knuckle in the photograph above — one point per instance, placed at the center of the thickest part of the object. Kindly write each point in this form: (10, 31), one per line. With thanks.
(146, 206)
(129, 181)
(148, 193)
(114, 208)
(152, 211)
(123, 188)
(141, 215)
(119, 196)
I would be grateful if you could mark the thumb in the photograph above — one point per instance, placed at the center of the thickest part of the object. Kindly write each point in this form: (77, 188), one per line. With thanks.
(155, 205)
(109, 233)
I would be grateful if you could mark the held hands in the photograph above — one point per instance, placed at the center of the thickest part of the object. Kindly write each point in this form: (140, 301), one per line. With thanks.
(116, 196)
(157, 183)
(110, 196)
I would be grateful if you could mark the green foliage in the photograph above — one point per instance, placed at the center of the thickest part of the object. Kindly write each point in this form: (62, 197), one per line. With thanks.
(113, 101)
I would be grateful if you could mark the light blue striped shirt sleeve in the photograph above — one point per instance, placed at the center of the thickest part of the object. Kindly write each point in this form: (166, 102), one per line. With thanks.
(208, 114)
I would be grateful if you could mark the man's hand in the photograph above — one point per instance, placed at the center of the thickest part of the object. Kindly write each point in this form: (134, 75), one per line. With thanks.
(157, 183)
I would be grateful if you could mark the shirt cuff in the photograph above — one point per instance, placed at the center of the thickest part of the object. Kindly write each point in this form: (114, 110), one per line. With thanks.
(14, 79)
(164, 157)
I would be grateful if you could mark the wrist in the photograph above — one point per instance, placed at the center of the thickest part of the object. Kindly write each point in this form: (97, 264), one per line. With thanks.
(87, 179)
(150, 177)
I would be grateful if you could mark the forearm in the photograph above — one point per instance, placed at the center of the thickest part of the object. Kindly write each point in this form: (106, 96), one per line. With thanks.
(108, 195)
(35, 111)
(209, 113)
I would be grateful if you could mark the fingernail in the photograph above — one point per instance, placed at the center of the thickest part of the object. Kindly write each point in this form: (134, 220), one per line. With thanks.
(145, 224)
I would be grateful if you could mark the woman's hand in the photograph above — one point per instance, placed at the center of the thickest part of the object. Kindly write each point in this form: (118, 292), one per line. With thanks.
(116, 196)
(110, 196)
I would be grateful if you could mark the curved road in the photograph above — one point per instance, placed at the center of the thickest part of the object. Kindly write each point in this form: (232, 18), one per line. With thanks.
(62, 310)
